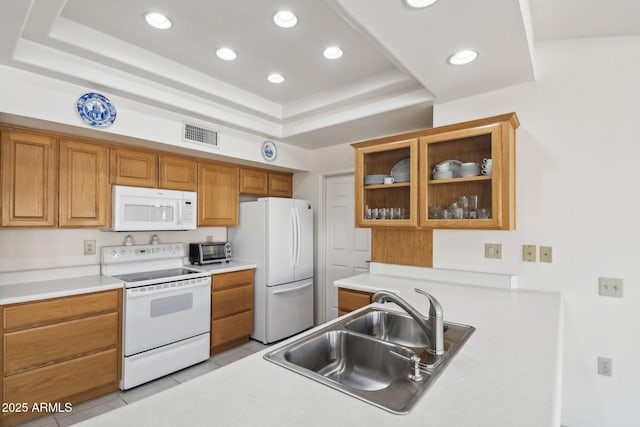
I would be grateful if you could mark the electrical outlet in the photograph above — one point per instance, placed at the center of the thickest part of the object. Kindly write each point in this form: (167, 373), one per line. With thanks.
(604, 366)
(209, 238)
(89, 247)
(529, 253)
(546, 254)
(493, 250)
(610, 287)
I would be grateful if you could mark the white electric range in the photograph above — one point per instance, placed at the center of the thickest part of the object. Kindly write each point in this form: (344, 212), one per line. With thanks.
(166, 310)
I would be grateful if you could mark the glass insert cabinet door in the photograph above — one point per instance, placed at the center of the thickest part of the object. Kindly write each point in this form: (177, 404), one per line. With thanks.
(386, 183)
(478, 192)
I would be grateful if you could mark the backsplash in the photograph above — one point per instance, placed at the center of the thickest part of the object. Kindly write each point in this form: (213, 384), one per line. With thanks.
(32, 249)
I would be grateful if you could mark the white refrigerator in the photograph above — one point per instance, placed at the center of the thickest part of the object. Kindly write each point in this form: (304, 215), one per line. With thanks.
(276, 234)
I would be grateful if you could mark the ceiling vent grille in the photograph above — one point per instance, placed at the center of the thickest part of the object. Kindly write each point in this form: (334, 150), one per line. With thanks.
(199, 135)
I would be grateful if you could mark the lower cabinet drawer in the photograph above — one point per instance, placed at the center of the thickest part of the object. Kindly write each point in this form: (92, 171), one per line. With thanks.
(349, 300)
(63, 381)
(231, 328)
(32, 314)
(230, 301)
(50, 344)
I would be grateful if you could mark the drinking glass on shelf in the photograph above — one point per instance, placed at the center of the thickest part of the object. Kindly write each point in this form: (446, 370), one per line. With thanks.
(473, 202)
(484, 213)
(398, 213)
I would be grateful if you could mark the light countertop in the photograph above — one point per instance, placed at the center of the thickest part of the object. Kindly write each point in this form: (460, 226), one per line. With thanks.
(507, 374)
(43, 289)
(225, 267)
(32, 285)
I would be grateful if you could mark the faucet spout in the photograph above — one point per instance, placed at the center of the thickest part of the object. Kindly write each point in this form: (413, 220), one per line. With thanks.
(433, 327)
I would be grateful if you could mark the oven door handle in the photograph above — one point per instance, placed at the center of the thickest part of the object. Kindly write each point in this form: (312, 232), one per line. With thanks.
(135, 293)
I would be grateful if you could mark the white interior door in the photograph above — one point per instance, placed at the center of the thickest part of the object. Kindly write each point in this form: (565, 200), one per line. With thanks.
(347, 248)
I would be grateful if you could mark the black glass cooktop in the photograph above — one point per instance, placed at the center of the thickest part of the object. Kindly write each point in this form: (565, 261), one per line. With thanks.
(155, 275)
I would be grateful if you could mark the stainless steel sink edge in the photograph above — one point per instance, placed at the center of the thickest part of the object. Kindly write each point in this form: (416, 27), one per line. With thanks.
(412, 391)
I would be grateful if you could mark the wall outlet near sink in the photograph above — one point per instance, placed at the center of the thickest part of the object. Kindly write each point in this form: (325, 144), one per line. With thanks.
(89, 247)
(604, 366)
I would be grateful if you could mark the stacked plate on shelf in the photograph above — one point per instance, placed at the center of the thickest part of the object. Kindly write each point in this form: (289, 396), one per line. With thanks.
(374, 179)
(470, 169)
(401, 171)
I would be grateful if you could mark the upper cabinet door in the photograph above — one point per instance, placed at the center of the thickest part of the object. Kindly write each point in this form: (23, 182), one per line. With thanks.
(217, 194)
(387, 183)
(84, 185)
(254, 181)
(280, 185)
(133, 167)
(178, 173)
(480, 193)
(29, 179)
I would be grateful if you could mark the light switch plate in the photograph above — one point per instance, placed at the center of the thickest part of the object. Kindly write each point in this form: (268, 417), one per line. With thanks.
(546, 254)
(529, 253)
(610, 287)
(493, 250)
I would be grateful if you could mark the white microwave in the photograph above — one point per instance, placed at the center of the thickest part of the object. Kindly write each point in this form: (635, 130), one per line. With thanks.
(142, 209)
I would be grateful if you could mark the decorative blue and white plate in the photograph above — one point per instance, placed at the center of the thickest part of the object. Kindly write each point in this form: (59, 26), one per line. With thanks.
(269, 151)
(96, 110)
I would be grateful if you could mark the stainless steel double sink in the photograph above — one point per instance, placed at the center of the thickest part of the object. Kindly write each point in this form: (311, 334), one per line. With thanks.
(368, 355)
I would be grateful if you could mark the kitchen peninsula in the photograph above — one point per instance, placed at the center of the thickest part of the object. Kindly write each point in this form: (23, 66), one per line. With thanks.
(507, 374)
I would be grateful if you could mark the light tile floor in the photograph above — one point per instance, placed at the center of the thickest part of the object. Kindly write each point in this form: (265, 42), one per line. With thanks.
(117, 399)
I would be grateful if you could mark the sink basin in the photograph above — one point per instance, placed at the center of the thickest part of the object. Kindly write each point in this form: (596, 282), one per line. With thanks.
(350, 359)
(389, 326)
(366, 355)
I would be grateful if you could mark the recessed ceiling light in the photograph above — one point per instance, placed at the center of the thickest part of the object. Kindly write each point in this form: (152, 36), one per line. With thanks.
(158, 20)
(420, 3)
(226, 54)
(285, 19)
(275, 78)
(463, 57)
(332, 52)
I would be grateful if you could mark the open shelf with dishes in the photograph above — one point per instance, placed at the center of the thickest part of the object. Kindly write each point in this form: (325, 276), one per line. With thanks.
(386, 189)
(467, 175)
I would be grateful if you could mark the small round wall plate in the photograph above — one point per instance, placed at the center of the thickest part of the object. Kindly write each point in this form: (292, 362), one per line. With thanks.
(96, 110)
(269, 151)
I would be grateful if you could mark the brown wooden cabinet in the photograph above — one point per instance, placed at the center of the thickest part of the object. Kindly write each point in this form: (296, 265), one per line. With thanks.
(85, 193)
(490, 138)
(428, 201)
(217, 194)
(29, 179)
(231, 309)
(254, 181)
(386, 205)
(178, 173)
(350, 300)
(60, 350)
(261, 182)
(134, 167)
(280, 185)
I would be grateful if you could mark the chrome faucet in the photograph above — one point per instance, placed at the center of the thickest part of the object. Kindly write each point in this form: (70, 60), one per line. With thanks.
(433, 326)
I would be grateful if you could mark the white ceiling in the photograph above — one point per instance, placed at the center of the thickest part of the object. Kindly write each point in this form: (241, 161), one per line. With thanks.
(393, 70)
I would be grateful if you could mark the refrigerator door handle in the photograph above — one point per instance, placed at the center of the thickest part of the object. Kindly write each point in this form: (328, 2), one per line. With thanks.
(297, 288)
(294, 242)
(298, 236)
